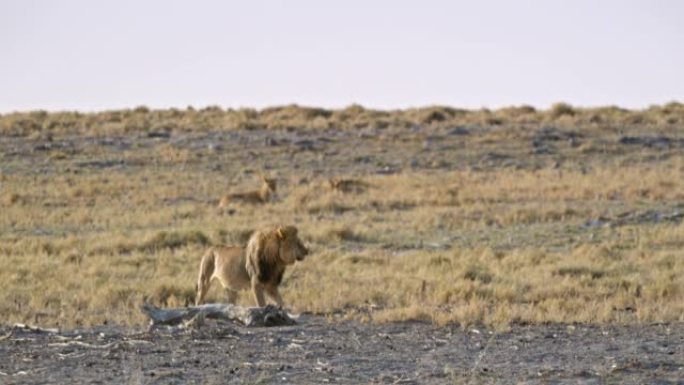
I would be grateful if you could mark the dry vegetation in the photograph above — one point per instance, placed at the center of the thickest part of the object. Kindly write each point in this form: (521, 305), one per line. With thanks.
(495, 217)
(293, 117)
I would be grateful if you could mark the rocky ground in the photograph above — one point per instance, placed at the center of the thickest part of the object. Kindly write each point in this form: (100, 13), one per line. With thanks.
(319, 350)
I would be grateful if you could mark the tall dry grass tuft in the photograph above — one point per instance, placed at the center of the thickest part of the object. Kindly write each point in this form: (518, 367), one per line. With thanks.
(561, 109)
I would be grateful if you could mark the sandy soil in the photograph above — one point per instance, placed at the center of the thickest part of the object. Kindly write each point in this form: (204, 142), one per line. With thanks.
(317, 350)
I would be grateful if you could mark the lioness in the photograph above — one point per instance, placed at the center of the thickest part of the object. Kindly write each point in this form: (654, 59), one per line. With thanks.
(259, 266)
(268, 188)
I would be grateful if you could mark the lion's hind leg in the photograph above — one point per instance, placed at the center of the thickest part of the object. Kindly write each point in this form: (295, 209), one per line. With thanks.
(205, 275)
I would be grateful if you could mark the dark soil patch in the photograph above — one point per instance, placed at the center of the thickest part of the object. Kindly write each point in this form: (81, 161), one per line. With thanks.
(316, 351)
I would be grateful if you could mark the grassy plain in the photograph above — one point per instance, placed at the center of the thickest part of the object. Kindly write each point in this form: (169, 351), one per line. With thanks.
(475, 217)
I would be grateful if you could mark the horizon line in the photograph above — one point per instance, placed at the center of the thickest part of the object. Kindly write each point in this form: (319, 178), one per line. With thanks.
(333, 108)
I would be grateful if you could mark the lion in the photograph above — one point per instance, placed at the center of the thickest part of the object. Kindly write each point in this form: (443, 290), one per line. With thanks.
(268, 188)
(259, 266)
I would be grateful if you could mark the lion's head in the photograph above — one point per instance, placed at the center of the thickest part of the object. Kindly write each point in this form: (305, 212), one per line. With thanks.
(291, 248)
(268, 252)
(270, 184)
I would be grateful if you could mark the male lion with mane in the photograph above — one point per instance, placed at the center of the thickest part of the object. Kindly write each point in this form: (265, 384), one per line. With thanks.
(259, 266)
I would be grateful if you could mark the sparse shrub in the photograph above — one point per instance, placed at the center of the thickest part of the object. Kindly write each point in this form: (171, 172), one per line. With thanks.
(439, 261)
(561, 109)
(578, 271)
(74, 258)
(11, 198)
(514, 112)
(141, 110)
(292, 116)
(172, 295)
(672, 107)
(431, 116)
(18, 124)
(174, 240)
(328, 206)
(342, 234)
(477, 273)
(363, 260)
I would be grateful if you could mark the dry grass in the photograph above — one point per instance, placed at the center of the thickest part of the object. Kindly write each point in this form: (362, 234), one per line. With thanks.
(145, 120)
(492, 244)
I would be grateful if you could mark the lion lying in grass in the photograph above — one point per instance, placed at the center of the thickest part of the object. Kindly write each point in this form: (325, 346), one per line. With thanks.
(259, 266)
(268, 188)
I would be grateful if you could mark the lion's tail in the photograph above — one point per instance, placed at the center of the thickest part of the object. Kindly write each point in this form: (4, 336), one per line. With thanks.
(206, 271)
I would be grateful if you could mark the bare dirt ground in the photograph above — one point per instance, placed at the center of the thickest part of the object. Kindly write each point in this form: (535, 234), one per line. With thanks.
(316, 351)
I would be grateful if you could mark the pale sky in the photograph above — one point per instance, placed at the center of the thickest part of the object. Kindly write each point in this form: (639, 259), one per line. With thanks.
(96, 55)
